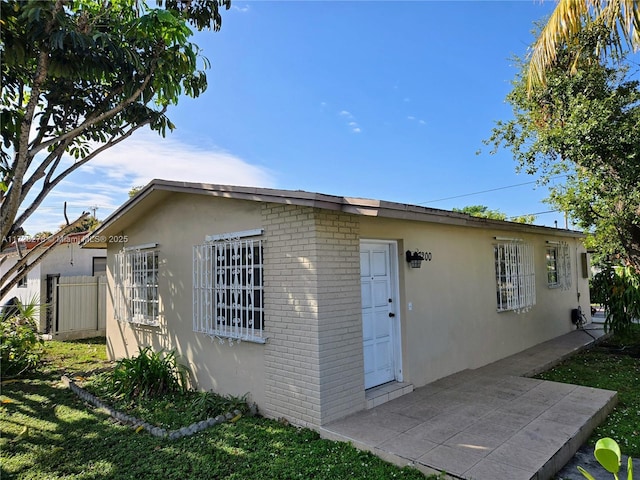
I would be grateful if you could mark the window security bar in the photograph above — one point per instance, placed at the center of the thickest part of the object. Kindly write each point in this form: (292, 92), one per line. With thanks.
(228, 291)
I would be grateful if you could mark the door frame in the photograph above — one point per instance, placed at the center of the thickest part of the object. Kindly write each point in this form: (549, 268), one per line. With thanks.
(394, 277)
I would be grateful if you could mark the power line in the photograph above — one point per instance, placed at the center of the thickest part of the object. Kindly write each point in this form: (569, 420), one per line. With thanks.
(535, 214)
(486, 191)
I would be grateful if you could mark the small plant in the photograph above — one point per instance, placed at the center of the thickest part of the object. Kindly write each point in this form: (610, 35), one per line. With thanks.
(607, 452)
(209, 404)
(149, 374)
(20, 344)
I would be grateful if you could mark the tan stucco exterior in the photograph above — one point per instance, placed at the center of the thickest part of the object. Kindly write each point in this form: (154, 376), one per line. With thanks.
(310, 370)
(454, 323)
(176, 225)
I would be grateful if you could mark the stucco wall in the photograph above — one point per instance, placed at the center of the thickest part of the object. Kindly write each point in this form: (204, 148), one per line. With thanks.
(454, 323)
(311, 368)
(176, 226)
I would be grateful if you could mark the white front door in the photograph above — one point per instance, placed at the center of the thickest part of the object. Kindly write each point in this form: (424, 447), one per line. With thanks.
(379, 311)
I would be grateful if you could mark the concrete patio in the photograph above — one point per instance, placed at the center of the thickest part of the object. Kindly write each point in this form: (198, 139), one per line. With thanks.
(490, 423)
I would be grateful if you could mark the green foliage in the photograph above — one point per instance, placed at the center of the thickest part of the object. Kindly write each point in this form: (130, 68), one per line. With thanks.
(584, 127)
(71, 441)
(608, 454)
(210, 404)
(89, 224)
(617, 288)
(20, 344)
(75, 356)
(134, 190)
(171, 410)
(79, 77)
(149, 374)
(483, 211)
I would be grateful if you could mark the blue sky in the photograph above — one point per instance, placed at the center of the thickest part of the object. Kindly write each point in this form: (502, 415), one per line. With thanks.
(376, 99)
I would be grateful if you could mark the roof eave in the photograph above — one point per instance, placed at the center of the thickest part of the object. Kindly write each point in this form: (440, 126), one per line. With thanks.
(355, 206)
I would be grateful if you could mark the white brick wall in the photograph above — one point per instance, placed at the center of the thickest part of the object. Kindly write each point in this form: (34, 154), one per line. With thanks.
(313, 358)
(340, 323)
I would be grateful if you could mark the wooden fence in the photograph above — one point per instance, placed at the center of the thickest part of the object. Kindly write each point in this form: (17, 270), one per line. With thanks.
(76, 307)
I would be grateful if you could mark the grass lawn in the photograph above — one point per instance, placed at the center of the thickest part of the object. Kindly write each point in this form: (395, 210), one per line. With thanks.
(613, 365)
(66, 438)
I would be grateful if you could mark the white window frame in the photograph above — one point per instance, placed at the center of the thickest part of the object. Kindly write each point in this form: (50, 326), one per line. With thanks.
(228, 287)
(23, 281)
(136, 275)
(558, 258)
(515, 276)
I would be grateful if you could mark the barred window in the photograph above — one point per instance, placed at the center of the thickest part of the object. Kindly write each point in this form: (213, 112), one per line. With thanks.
(515, 276)
(228, 292)
(136, 285)
(558, 265)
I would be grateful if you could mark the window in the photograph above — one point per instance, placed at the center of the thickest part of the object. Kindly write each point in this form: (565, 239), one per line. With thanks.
(228, 293)
(515, 276)
(136, 281)
(22, 282)
(99, 266)
(558, 265)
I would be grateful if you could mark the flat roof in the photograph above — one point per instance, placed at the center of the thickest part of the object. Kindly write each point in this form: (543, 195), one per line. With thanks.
(158, 189)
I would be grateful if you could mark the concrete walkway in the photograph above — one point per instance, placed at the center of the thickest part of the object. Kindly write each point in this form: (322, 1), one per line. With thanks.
(489, 423)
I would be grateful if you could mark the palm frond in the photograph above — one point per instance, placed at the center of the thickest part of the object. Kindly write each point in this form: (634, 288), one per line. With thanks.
(620, 17)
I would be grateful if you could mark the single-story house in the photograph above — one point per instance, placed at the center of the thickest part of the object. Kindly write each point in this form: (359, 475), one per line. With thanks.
(66, 259)
(305, 301)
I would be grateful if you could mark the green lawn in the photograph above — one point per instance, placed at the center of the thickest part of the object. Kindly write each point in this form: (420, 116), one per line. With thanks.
(69, 439)
(613, 365)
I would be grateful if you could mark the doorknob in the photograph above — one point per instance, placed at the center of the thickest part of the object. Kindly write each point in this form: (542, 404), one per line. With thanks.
(392, 314)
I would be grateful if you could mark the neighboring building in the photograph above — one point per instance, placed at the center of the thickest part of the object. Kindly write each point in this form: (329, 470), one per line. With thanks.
(306, 300)
(67, 259)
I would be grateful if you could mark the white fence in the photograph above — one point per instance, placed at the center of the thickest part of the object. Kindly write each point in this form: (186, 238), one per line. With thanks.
(77, 306)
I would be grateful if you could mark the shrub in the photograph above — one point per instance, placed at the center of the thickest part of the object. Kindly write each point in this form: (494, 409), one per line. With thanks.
(20, 344)
(149, 374)
(617, 288)
(209, 404)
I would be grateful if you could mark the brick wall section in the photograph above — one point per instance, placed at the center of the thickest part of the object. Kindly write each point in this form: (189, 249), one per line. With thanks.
(292, 377)
(340, 319)
(313, 357)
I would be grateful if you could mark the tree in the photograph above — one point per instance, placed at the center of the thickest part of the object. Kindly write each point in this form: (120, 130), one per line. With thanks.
(584, 125)
(620, 20)
(483, 211)
(89, 224)
(80, 76)
(134, 190)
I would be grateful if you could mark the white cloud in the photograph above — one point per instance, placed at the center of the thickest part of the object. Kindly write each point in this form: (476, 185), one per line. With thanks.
(412, 118)
(105, 181)
(243, 9)
(146, 156)
(352, 124)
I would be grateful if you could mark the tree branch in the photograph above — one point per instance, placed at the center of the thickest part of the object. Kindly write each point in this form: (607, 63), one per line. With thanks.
(48, 186)
(54, 157)
(91, 121)
(11, 203)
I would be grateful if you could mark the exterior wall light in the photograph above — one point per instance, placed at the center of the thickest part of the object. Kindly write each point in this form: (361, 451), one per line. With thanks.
(414, 258)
